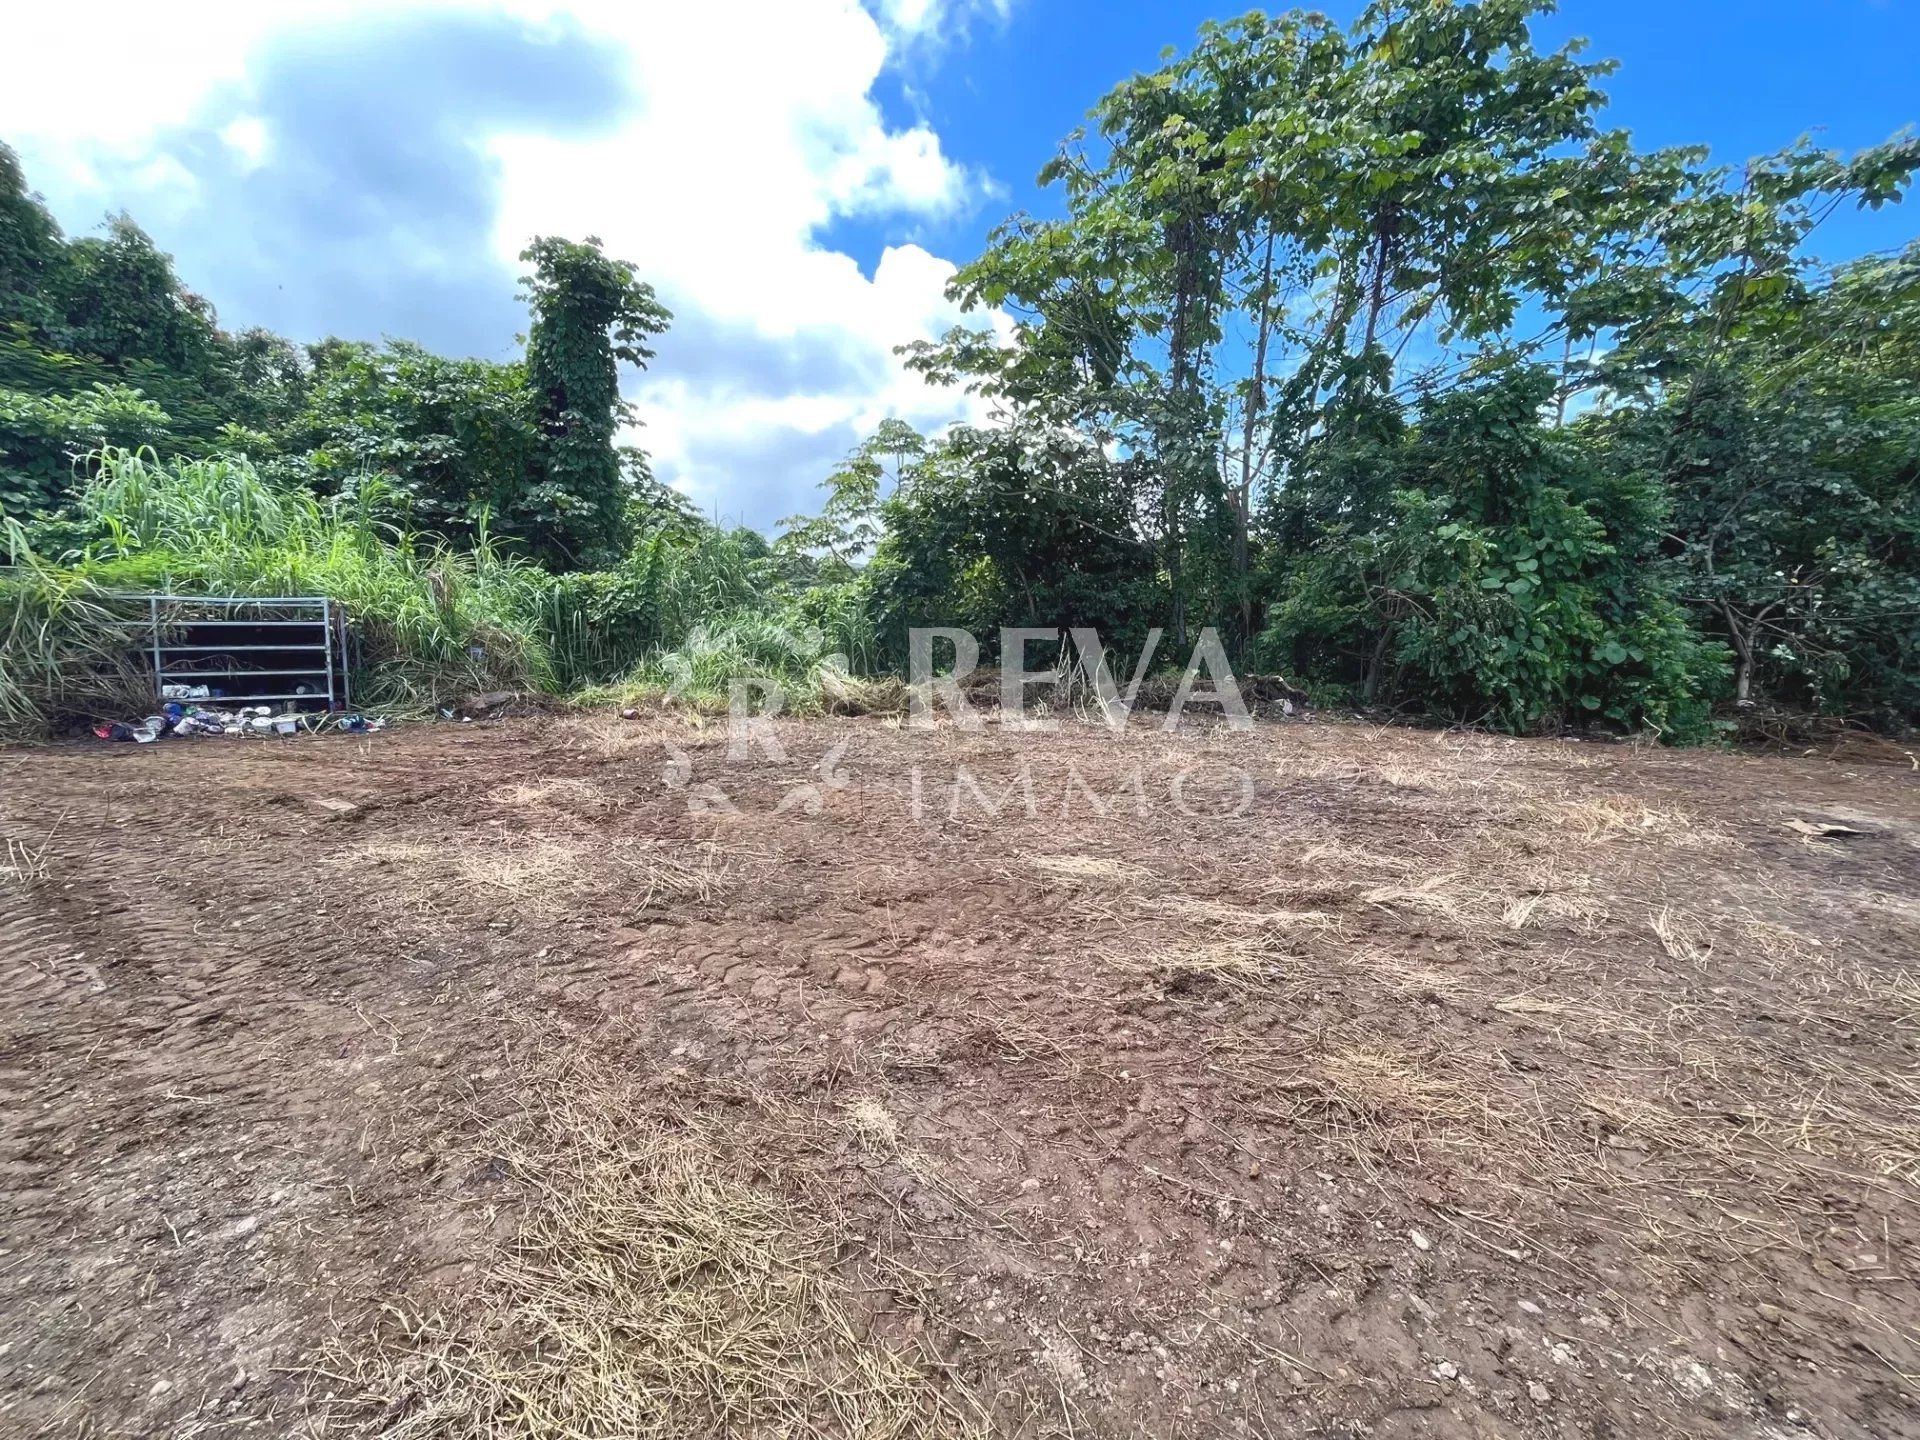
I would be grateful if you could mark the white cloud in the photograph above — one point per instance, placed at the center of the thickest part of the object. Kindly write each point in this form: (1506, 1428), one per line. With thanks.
(247, 136)
(754, 128)
(935, 18)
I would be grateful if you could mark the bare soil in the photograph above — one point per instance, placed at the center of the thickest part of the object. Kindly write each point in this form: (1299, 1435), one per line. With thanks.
(550, 1077)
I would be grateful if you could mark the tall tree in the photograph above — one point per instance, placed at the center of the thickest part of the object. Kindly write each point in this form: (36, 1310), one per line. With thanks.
(1259, 216)
(31, 249)
(591, 314)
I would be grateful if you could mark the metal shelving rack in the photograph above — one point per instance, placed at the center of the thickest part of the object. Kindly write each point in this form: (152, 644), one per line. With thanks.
(182, 633)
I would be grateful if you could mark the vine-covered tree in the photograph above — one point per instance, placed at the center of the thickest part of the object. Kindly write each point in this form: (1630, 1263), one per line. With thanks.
(591, 314)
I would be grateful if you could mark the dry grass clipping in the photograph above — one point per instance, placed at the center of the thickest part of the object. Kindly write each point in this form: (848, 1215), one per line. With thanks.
(1250, 954)
(1402, 974)
(25, 865)
(1090, 869)
(1603, 818)
(1490, 879)
(543, 877)
(1219, 916)
(1355, 860)
(874, 1126)
(655, 1294)
(1242, 960)
(1430, 896)
(1384, 1086)
(1683, 936)
(611, 738)
(574, 797)
(1415, 770)
(1554, 899)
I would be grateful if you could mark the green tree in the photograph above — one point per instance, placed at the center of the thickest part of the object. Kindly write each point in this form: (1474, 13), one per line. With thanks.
(45, 439)
(839, 539)
(32, 250)
(123, 303)
(1021, 525)
(590, 315)
(1494, 574)
(1261, 215)
(1791, 451)
(451, 447)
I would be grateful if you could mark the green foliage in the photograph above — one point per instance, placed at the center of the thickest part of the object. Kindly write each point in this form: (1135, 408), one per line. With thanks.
(43, 438)
(526, 455)
(59, 660)
(1654, 455)
(450, 445)
(1792, 457)
(1263, 225)
(602, 624)
(100, 345)
(590, 315)
(848, 525)
(1016, 526)
(1498, 581)
(433, 622)
(712, 659)
(123, 303)
(31, 249)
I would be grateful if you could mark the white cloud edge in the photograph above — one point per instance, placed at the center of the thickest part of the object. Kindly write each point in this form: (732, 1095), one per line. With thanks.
(716, 185)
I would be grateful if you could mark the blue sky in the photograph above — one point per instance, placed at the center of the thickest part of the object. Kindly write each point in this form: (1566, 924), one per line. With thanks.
(798, 177)
(1746, 77)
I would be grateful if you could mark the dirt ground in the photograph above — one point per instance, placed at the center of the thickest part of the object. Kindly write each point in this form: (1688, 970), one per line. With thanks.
(570, 1076)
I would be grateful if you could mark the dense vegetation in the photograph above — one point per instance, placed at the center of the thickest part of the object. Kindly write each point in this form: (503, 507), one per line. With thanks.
(1372, 349)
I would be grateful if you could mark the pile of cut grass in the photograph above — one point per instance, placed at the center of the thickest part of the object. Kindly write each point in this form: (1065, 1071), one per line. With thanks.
(661, 1287)
(542, 876)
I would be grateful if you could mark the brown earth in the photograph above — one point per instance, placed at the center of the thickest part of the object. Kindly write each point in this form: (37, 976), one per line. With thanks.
(548, 1078)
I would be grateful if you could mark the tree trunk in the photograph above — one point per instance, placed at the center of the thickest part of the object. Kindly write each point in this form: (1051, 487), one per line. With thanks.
(1377, 298)
(1743, 658)
(1256, 402)
(1376, 662)
(1180, 381)
(1560, 400)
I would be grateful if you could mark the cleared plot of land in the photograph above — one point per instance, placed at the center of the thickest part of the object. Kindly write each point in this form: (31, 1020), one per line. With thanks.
(567, 1078)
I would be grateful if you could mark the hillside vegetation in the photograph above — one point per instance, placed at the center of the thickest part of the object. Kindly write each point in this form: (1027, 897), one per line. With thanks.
(1373, 349)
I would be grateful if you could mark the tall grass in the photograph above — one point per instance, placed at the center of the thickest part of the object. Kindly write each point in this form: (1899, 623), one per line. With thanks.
(690, 613)
(780, 650)
(684, 613)
(62, 656)
(430, 622)
(601, 625)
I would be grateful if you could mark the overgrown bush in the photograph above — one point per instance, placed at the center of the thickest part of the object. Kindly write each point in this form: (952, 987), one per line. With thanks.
(431, 622)
(1492, 577)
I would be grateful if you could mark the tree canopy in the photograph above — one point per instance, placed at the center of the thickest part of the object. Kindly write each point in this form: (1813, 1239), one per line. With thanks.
(1375, 348)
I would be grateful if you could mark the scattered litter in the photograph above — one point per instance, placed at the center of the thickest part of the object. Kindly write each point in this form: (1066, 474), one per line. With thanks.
(178, 717)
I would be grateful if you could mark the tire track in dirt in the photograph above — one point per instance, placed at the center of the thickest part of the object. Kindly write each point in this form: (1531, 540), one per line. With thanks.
(227, 1130)
(188, 1098)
